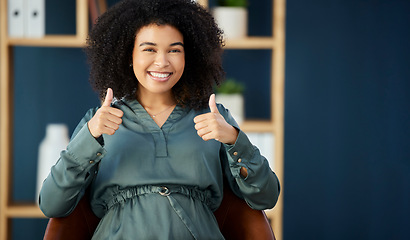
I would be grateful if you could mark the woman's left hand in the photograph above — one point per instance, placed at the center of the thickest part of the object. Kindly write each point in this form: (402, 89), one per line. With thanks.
(213, 125)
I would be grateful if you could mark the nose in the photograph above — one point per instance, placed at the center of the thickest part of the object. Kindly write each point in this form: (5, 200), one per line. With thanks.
(161, 60)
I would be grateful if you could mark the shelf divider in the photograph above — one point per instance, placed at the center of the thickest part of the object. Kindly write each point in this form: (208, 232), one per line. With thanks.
(257, 126)
(24, 211)
(49, 41)
(250, 43)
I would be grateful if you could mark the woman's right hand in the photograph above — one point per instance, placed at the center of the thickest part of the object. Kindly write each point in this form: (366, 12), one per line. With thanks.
(107, 119)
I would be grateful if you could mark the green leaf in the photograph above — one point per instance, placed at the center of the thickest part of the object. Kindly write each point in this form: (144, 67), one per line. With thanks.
(230, 86)
(233, 3)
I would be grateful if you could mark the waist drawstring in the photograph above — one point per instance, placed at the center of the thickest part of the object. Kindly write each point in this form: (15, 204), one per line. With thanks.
(165, 191)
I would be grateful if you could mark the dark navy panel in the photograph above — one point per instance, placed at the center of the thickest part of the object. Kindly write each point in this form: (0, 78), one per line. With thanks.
(60, 17)
(50, 86)
(31, 228)
(252, 68)
(347, 120)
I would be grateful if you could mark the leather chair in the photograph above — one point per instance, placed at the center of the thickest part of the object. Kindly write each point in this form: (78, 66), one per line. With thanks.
(235, 218)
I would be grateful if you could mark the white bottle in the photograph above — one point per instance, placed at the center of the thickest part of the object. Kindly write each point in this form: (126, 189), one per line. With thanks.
(55, 141)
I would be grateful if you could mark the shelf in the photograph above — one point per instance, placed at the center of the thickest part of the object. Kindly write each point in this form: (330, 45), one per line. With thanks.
(250, 43)
(257, 126)
(73, 41)
(49, 41)
(24, 211)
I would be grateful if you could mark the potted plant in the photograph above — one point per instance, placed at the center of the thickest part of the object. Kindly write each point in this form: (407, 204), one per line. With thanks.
(232, 18)
(230, 94)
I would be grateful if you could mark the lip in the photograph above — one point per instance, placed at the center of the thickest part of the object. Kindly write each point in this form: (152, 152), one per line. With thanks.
(159, 78)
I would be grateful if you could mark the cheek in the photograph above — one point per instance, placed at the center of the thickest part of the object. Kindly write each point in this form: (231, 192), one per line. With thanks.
(137, 70)
(181, 64)
(139, 62)
(139, 66)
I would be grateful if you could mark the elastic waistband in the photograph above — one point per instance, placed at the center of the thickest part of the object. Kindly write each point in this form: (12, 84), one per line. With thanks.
(165, 191)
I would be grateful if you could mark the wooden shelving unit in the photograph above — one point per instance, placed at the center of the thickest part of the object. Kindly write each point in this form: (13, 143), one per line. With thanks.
(8, 209)
(276, 43)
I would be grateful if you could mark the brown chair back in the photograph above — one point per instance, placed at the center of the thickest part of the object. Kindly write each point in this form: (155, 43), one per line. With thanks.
(79, 225)
(235, 218)
(238, 221)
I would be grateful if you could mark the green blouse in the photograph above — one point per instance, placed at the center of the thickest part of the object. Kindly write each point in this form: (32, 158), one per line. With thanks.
(148, 182)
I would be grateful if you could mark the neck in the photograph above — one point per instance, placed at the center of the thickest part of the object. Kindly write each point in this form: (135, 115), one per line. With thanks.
(155, 101)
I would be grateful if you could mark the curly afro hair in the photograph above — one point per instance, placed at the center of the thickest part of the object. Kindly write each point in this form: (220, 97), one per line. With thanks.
(111, 42)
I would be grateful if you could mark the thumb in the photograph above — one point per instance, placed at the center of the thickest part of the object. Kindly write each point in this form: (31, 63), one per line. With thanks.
(212, 104)
(108, 98)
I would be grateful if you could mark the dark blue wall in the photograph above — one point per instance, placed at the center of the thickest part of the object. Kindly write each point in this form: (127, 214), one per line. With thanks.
(347, 120)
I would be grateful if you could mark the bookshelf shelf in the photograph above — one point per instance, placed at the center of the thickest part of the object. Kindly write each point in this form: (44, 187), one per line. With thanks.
(74, 41)
(251, 43)
(257, 126)
(24, 211)
(49, 41)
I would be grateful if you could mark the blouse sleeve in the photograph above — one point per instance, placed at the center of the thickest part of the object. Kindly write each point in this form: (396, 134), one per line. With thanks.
(72, 174)
(261, 187)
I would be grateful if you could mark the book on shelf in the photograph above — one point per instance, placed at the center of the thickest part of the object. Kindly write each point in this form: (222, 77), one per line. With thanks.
(96, 8)
(265, 142)
(26, 18)
(35, 17)
(15, 18)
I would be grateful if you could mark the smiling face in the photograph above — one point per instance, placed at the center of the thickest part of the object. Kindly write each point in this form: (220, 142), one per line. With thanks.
(158, 58)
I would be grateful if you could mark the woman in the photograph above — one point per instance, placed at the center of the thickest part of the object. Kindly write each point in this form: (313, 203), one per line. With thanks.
(155, 154)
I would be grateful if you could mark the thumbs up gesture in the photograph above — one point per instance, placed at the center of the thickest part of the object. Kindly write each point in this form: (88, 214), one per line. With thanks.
(107, 119)
(213, 125)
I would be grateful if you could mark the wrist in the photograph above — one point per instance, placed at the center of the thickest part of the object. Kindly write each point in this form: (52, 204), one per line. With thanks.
(95, 135)
(234, 136)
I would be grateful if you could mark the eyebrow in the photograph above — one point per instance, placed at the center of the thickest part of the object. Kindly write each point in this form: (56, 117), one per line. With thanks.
(154, 44)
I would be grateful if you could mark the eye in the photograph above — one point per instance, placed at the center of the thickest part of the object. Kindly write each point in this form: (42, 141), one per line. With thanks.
(175, 51)
(148, 50)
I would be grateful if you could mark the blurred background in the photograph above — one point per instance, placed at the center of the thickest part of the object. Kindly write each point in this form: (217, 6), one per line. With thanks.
(347, 112)
(347, 120)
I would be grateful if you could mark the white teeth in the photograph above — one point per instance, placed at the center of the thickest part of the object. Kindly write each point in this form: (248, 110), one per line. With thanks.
(160, 75)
